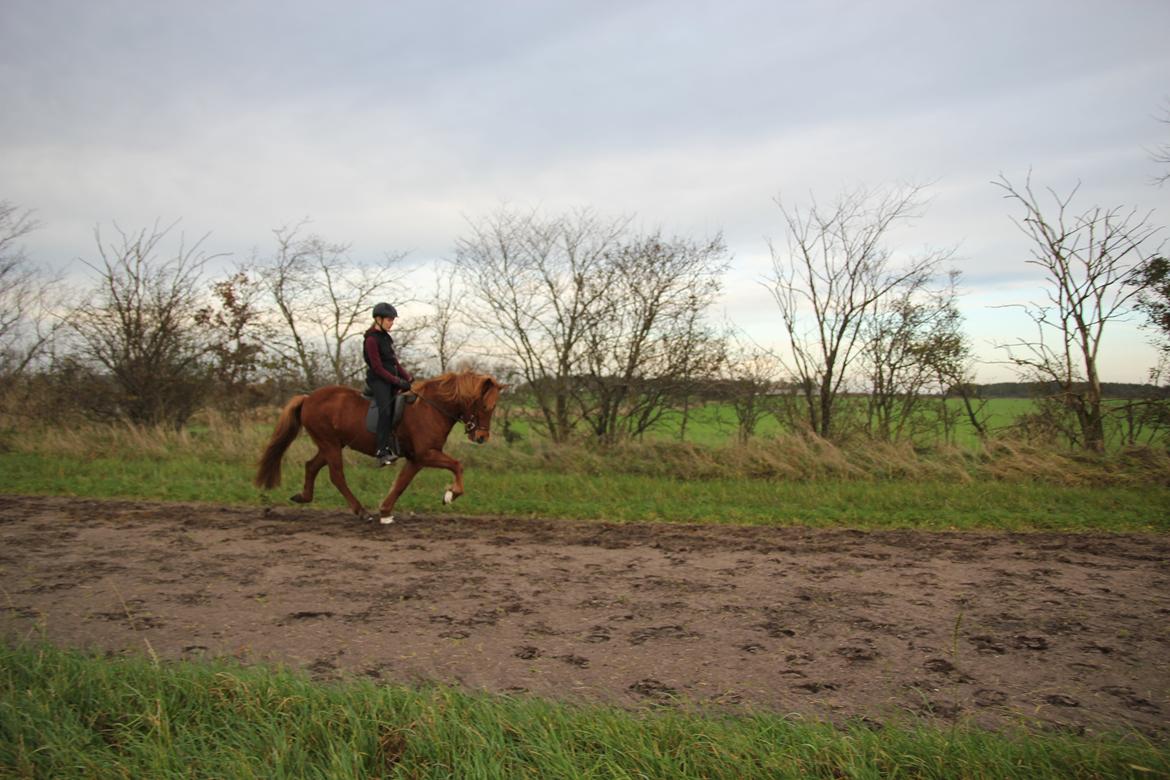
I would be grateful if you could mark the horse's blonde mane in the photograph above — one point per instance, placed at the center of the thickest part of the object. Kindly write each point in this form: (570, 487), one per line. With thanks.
(460, 387)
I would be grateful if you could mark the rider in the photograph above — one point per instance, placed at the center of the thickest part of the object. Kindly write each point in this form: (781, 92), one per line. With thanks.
(386, 378)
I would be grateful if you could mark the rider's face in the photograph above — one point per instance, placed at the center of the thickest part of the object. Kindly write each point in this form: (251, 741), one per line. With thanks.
(385, 323)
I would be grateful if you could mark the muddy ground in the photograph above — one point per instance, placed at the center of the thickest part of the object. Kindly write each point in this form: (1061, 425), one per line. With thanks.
(1057, 631)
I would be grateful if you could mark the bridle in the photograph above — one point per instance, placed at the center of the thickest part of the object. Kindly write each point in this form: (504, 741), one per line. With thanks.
(470, 421)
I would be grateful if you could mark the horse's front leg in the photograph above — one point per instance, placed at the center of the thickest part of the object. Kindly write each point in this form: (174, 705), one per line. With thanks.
(456, 468)
(441, 460)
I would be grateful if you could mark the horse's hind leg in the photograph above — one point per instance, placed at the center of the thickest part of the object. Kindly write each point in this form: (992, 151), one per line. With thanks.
(409, 470)
(337, 476)
(312, 466)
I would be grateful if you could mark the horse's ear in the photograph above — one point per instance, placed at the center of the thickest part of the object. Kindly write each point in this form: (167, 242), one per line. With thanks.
(490, 389)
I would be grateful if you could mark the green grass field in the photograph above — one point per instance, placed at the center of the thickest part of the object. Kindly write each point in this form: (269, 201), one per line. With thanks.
(929, 504)
(778, 480)
(714, 424)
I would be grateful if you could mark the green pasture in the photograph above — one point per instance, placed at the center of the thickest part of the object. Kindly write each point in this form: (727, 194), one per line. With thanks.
(65, 714)
(618, 497)
(714, 424)
(774, 479)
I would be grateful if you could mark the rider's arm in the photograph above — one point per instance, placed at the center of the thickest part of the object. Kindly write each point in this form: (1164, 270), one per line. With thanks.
(376, 364)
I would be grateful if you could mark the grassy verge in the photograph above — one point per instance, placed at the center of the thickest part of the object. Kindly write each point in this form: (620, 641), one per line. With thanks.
(64, 714)
(928, 504)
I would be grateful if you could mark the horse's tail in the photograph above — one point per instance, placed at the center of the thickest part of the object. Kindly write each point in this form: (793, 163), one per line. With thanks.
(268, 473)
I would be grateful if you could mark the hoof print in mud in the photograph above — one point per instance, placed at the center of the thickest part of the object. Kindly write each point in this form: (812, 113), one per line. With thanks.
(941, 709)
(817, 687)
(1130, 699)
(597, 635)
(653, 689)
(987, 645)
(857, 654)
(527, 653)
(309, 615)
(323, 667)
(1030, 642)
(987, 697)
(574, 660)
(775, 630)
(1060, 700)
(643, 635)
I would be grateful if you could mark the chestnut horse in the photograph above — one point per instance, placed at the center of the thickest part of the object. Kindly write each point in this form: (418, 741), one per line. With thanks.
(335, 417)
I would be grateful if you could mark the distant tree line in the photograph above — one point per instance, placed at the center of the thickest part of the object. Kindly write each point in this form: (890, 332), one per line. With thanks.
(1114, 390)
(601, 329)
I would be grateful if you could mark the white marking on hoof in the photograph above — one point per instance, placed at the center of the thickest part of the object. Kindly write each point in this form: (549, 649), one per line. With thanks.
(386, 519)
(448, 497)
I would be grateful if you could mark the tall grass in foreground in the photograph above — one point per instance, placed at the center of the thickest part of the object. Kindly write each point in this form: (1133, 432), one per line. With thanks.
(64, 715)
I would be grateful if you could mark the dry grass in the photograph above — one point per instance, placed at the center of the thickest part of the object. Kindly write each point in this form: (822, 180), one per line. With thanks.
(795, 458)
(787, 457)
(211, 434)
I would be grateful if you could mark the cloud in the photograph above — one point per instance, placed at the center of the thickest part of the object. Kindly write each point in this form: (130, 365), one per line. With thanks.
(389, 124)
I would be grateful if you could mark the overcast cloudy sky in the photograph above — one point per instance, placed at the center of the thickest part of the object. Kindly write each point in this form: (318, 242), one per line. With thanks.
(391, 123)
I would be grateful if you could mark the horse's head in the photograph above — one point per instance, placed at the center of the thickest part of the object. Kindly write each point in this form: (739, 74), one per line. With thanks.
(472, 395)
(477, 418)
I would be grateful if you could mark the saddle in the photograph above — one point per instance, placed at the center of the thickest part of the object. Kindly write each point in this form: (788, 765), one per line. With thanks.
(400, 402)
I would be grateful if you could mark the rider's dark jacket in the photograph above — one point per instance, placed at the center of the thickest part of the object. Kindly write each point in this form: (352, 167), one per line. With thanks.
(382, 362)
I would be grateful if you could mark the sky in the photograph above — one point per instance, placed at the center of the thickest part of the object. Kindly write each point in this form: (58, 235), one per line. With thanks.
(391, 125)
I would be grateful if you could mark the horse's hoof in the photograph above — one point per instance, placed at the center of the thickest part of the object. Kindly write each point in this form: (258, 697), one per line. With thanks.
(448, 497)
(386, 519)
(298, 499)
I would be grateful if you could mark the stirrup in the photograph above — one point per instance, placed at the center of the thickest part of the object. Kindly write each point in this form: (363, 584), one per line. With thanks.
(386, 458)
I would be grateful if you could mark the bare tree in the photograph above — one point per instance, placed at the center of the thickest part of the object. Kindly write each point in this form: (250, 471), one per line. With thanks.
(141, 327)
(286, 276)
(954, 365)
(443, 326)
(752, 375)
(703, 351)
(236, 333)
(323, 300)
(536, 282)
(1088, 260)
(26, 324)
(834, 272)
(1152, 279)
(645, 341)
(910, 334)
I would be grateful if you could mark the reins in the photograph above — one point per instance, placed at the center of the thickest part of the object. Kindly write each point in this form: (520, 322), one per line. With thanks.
(469, 424)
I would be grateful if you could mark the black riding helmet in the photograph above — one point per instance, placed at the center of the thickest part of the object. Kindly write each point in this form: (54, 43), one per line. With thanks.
(385, 310)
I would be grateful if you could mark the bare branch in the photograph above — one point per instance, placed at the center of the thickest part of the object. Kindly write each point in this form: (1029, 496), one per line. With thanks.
(27, 327)
(1089, 261)
(834, 272)
(323, 299)
(141, 329)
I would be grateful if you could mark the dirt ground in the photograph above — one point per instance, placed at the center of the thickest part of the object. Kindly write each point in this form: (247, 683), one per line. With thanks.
(1066, 632)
